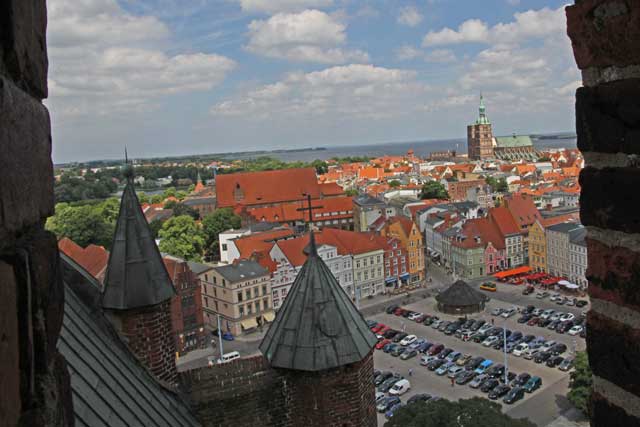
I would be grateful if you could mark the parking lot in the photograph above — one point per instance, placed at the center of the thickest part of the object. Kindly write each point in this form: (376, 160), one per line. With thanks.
(541, 406)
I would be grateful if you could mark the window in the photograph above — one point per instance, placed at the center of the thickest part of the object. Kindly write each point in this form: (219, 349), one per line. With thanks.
(240, 296)
(265, 303)
(264, 289)
(241, 308)
(247, 293)
(224, 282)
(224, 246)
(256, 292)
(206, 277)
(215, 280)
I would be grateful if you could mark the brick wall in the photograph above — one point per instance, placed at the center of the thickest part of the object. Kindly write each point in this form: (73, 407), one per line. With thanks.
(187, 317)
(34, 382)
(149, 336)
(605, 36)
(249, 392)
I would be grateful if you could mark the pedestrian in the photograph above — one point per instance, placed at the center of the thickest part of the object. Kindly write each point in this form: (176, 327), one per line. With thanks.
(403, 327)
(410, 372)
(452, 382)
(493, 321)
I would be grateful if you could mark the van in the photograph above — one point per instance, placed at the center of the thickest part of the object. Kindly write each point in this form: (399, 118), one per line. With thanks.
(401, 387)
(226, 358)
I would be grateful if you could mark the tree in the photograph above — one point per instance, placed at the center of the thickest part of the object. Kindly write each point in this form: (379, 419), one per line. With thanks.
(497, 185)
(321, 166)
(580, 384)
(215, 223)
(182, 209)
(143, 198)
(157, 198)
(85, 225)
(476, 412)
(182, 237)
(351, 192)
(394, 184)
(181, 195)
(434, 190)
(544, 159)
(155, 227)
(169, 192)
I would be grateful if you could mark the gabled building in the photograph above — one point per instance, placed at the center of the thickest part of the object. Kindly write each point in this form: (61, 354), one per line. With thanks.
(407, 232)
(558, 248)
(366, 210)
(578, 257)
(511, 234)
(525, 213)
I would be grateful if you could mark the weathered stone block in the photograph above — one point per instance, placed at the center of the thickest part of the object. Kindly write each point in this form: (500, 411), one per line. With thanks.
(26, 169)
(608, 197)
(614, 274)
(608, 117)
(604, 414)
(604, 32)
(23, 44)
(605, 340)
(10, 404)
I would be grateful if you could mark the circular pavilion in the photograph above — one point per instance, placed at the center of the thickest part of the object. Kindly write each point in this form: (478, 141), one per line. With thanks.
(460, 298)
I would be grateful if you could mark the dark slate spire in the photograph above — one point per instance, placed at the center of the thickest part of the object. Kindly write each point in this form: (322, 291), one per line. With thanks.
(318, 327)
(136, 276)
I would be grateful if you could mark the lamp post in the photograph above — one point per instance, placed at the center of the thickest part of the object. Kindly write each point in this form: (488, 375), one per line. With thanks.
(220, 336)
(504, 347)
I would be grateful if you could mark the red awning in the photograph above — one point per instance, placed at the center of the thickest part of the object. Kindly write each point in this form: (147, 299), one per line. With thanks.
(512, 272)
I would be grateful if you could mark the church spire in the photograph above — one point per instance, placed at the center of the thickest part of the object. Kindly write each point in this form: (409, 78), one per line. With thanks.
(136, 276)
(482, 117)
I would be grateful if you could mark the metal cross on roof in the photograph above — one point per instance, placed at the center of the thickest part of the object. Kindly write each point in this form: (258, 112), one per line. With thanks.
(310, 209)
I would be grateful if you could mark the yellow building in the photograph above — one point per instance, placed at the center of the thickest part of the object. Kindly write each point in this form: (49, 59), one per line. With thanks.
(537, 247)
(405, 230)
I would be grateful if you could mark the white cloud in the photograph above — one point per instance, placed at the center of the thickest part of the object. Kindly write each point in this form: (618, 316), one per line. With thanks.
(355, 90)
(309, 36)
(409, 16)
(275, 6)
(106, 61)
(406, 53)
(541, 24)
(441, 56)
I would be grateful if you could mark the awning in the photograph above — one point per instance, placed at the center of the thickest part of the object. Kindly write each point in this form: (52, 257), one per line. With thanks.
(512, 272)
(269, 316)
(550, 281)
(404, 276)
(391, 279)
(249, 323)
(568, 284)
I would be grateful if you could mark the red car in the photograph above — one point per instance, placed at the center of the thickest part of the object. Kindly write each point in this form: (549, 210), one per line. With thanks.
(382, 343)
(399, 311)
(383, 330)
(376, 329)
(533, 321)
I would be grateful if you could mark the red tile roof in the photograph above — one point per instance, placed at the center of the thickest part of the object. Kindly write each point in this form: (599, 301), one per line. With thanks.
(93, 258)
(260, 188)
(287, 212)
(504, 220)
(523, 209)
(258, 242)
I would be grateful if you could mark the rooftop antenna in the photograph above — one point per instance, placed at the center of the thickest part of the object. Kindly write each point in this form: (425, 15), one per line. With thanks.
(312, 240)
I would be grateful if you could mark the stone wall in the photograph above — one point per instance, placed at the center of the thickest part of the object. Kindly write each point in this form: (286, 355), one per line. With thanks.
(148, 334)
(605, 36)
(33, 376)
(249, 392)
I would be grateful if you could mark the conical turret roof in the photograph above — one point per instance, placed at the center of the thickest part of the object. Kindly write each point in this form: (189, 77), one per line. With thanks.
(318, 327)
(136, 276)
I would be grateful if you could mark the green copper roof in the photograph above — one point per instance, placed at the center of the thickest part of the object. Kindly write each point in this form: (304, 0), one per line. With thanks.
(482, 118)
(136, 276)
(513, 141)
(318, 327)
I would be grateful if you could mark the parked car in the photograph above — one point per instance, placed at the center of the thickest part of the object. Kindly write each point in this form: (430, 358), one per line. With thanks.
(537, 311)
(419, 398)
(390, 309)
(542, 357)
(547, 345)
(472, 364)
(515, 336)
(558, 349)
(542, 295)
(575, 330)
(393, 410)
(464, 376)
(485, 328)
(533, 321)
(387, 403)
(531, 353)
(497, 311)
(525, 318)
(490, 341)
(566, 364)
(382, 377)
(436, 364)
(547, 314)
(443, 326)
(514, 395)
(554, 361)
(478, 337)
(400, 388)
(520, 380)
(489, 384)
(533, 384)
(397, 351)
(408, 339)
(581, 303)
(496, 371)
(520, 349)
(372, 324)
(435, 349)
(528, 290)
(478, 380)
(389, 382)
(499, 391)
(414, 316)
(481, 369)
(567, 316)
(424, 360)
(444, 353)
(380, 344)
(414, 345)
(454, 370)
(399, 337)
(379, 396)
(453, 356)
(462, 360)
(444, 368)
(408, 354)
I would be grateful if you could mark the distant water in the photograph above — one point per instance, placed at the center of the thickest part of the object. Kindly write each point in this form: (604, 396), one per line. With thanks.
(420, 148)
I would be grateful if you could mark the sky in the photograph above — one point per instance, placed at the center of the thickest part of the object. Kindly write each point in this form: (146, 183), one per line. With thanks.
(178, 77)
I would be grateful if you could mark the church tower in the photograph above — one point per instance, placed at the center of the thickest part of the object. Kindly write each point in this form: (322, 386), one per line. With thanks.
(322, 346)
(480, 136)
(137, 289)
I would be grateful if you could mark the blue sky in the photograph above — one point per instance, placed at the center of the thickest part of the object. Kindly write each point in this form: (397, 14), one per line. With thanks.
(167, 77)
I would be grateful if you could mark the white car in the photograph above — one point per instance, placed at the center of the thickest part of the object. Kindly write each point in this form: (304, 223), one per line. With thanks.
(490, 341)
(531, 353)
(555, 296)
(497, 311)
(400, 388)
(408, 339)
(520, 349)
(436, 324)
(575, 330)
(414, 316)
(379, 396)
(547, 313)
(547, 345)
(509, 312)
(567, 316)
(424, 360)
(537, 312)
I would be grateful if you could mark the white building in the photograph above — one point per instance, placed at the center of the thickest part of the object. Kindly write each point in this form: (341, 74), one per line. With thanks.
(578, 257)
(558, 248)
